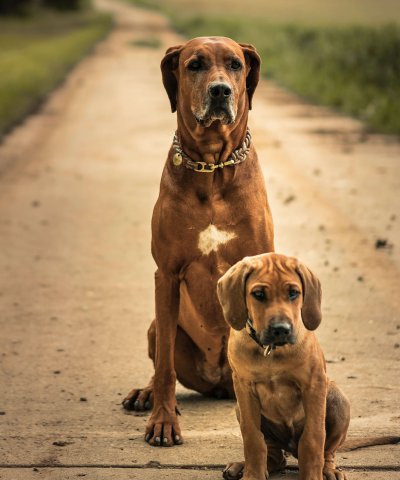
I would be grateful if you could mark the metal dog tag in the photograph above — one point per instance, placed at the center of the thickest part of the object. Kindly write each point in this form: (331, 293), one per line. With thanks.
(177, 159)
(268, 350)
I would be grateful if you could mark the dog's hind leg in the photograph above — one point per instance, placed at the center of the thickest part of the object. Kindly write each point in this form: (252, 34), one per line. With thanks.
(140, 399)
(187, 359)
(234, 470)
(275, 438)
(187, 355)
(276, 461)
(337, 422)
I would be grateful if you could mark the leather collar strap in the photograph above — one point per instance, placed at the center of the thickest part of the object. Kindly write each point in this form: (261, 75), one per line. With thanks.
(238, 156)
(250, 330)
(252, 333)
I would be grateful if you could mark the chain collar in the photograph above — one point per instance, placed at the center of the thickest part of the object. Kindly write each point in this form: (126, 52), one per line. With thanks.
(238, 156)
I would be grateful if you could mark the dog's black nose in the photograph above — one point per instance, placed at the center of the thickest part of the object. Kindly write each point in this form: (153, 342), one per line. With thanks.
(220, 90)
(277, 333)
(280, 330)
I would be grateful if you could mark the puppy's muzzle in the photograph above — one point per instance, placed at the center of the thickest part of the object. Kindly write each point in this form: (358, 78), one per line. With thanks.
(279, 332)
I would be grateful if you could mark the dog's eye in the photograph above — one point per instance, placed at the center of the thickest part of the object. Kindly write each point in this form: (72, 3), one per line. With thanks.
(293, 294)
(259, 295)
(236, 65)
(194, 65)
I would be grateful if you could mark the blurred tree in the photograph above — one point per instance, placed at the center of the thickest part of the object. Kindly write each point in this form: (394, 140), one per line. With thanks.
(66, 4)
(18, 7)
(26, 7)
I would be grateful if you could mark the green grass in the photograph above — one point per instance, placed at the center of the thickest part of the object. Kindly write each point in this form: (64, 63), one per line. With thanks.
(278, 12)
(350, 61)
(147, 42)
(37, 52)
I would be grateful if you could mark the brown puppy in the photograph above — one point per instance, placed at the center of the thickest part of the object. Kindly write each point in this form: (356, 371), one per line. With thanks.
(212, 210)
(285, 400)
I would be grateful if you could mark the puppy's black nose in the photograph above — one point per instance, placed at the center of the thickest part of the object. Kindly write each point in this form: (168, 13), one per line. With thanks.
(220, 90)
(278, 333)
(280, 330)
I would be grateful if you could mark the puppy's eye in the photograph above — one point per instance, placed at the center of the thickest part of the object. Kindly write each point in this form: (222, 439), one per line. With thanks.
(259, 295)
(236, 65)
(194, 65)
(293, 294)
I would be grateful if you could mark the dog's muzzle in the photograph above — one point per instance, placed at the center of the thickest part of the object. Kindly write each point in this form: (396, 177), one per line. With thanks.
(277, 334)
(218, 105)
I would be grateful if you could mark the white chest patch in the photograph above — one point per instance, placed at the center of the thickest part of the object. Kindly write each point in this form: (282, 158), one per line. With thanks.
(211, 238)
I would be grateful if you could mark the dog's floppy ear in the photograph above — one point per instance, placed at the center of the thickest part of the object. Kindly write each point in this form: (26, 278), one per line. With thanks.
(231, 291)
(253, 61)
(311, 309)
(169, 64)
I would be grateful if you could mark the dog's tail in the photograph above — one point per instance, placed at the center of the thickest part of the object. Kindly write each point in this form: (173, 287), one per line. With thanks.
(355, 443)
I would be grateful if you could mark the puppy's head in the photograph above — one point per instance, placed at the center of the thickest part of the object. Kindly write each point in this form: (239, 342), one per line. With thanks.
(211, 79)
(278, 294)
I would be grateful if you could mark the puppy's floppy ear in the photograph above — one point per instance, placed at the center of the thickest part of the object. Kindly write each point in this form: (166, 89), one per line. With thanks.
(311, 309)
(253, 61)
(169, 64)
(231, 291)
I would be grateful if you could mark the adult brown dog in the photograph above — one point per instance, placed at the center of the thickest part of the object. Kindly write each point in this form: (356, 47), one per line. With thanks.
(212, 210)
(285, 400)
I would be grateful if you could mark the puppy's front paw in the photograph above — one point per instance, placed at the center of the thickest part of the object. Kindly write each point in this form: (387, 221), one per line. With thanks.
(233, 471)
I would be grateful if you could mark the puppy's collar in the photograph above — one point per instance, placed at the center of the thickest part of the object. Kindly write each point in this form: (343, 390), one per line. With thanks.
(253, 334)
(238, 156)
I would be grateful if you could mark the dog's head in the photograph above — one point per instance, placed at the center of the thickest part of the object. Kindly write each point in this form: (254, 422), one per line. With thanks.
(211, 79)
(278, 294)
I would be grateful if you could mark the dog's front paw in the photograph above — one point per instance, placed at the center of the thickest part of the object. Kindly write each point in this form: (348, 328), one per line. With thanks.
(333, 474)
(163, 428)
(233, 471)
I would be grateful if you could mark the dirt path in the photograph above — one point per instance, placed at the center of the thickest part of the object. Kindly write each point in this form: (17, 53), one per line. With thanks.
(77, 186)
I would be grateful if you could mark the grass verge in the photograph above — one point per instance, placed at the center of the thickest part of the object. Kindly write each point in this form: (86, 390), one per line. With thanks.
(37, 52)
(147, 42)
(355, 69)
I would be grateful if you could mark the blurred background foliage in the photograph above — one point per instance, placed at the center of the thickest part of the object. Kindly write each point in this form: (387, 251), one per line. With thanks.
(40, 41)
(28, 7)
(344, 54)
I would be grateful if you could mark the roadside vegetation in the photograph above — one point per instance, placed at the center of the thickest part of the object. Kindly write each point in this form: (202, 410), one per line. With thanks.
(341, 54)
(38, 46)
